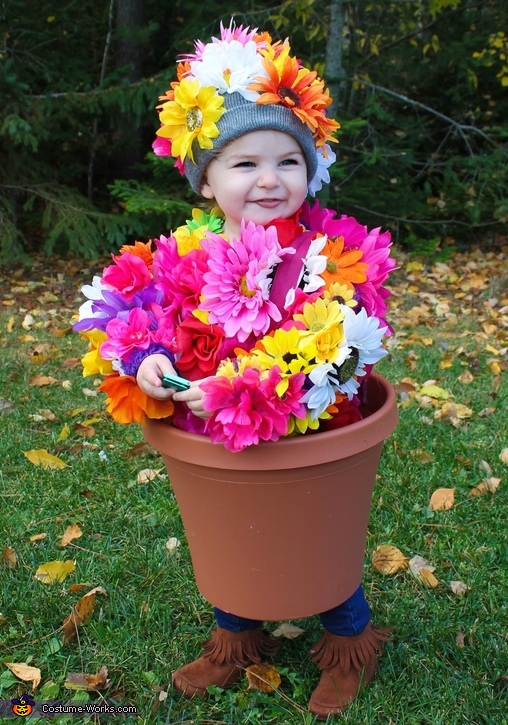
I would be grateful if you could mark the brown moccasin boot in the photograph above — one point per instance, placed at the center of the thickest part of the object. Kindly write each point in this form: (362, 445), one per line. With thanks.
(347, 664)
(224, 656)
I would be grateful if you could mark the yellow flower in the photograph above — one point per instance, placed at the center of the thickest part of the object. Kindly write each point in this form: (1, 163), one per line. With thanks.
(299, 426)
(92, 362)
(282, 348)
(324, 333)
(191, 116)
(342, 293)
(188, 239)
(232, 369)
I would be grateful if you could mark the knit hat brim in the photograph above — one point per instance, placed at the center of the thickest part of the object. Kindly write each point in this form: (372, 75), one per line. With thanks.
(241, 117)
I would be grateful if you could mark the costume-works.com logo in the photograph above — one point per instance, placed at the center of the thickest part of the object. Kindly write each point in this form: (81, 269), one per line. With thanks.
(23, 706)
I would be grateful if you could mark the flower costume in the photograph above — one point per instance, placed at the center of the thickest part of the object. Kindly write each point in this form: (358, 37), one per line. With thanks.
(284, 320)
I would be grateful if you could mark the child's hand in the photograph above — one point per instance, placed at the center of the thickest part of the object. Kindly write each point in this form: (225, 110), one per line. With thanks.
(149, 376)
(194, 399)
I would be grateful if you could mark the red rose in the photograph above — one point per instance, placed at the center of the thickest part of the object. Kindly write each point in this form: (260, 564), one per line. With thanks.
(199, 345)
(287, 229)
(347, 414)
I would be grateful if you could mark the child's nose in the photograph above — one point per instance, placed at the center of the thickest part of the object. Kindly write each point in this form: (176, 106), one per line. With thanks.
(268, 178)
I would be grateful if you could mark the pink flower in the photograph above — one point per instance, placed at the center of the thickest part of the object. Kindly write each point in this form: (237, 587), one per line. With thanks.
(236, 293)
(129, 274)
(180, 278)
(162, 146)
(125, 337)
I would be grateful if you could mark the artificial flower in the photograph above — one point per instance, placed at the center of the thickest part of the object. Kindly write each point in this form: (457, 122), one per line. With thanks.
(229, 66)
(237, 283)
(191, 117)
(125, 336)
(92, 361)
(199, 346)
(323, 333)
(129, 274)
(126, 402)
(343, 266)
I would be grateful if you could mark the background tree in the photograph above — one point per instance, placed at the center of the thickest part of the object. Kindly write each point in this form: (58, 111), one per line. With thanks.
(419, 92)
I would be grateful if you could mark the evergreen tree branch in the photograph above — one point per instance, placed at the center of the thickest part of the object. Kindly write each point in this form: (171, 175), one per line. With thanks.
(459, 127)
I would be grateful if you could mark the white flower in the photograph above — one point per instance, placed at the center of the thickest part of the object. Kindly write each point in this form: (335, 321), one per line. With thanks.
(322, 174)
(364, 334)
(92, 292)
(322, 394)
(230, 67)
(314, 264)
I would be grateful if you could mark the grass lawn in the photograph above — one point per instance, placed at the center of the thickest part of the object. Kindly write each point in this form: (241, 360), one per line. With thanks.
(448, 664)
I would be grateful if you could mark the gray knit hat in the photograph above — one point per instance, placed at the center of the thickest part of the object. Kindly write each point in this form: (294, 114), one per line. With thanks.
(238, 83)
(242, 116)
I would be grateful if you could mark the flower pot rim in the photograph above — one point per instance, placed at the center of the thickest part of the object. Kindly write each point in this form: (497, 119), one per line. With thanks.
(290, 452)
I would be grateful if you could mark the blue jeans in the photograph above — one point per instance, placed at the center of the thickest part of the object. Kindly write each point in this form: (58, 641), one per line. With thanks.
(347, 619)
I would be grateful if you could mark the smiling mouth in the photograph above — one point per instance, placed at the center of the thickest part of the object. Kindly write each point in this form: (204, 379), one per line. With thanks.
(268, 203)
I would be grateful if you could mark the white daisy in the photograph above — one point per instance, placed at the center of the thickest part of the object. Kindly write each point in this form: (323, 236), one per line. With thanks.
(322, 174)
(229, 66)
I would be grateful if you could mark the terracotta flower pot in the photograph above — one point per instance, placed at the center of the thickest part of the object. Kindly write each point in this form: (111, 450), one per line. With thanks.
(277, 531)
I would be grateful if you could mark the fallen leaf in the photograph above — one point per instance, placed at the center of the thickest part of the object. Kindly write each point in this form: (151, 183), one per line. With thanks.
(148, 474)
(263, 677)
(503, 456)
(458, 588)
(460, 639)
(25, 672)
(388, 559)
(422, 570)
(442, 499)
(40, 457)
(28, 322)
(92, 683)
(422, 456)
(71, 532)
(9, 557)
(466, 377)
(488, 485)
(40, 381)
(64, 433)
(172, 545)
(485, 467)
(81, 612)
(55, 571)
(74, 588)
(288, 630)
(37, 537)
(434, 391)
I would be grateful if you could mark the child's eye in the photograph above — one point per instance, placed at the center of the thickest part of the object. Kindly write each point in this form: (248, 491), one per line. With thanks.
(289, 162)
(244, 165)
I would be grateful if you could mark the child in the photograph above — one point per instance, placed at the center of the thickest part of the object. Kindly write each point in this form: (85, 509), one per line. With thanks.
(249, 129)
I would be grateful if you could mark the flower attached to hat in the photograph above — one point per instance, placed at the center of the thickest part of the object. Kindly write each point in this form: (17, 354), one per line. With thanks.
(242, 62)
(191, 116)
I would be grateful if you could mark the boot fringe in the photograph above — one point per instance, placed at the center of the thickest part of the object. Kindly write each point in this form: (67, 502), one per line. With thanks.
(239, 648)
(349, 652)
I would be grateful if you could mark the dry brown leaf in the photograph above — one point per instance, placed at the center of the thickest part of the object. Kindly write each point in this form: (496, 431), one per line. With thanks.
(74, 588)
(92, 683)
(485, 467)
(488, 485)
(288, 630)
(460, 639)
(39, 381)
(54, 571)
(38, 537)
(466, 377)
(503, 456)
(147, 474)
(458, 588)
(442, 499)
(172, 545)
(25, 672)
(71, 532)
(422, 456)
(422, 570)
(82, 611)
(388, 559)
(263, 677)
(9, 557)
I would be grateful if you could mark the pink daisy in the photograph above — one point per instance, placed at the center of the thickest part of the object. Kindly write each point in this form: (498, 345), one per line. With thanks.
(237, 285)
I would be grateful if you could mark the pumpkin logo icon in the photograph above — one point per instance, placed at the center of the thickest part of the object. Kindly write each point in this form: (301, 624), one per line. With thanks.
(24, 706)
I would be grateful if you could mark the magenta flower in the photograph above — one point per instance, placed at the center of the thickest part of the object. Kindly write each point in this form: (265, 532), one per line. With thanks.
(180, 278)
(124, 337)
(247, 409)
(129, 275)
(236, 293)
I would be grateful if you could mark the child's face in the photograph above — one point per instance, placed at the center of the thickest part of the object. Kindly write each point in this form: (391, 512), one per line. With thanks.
(259, 177)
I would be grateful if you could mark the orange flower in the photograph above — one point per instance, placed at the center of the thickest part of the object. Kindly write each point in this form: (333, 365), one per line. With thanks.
(343, 266)
(140, 249)
(126, 402)
(298, 89)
